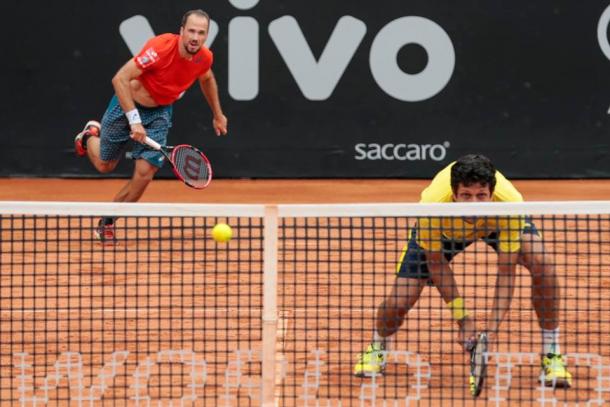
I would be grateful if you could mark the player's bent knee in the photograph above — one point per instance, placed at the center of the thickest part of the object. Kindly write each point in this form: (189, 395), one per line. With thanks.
(543, 273)
(144, 171)
(143, 178)
(395, 304)
(105, 167)
(539, 264)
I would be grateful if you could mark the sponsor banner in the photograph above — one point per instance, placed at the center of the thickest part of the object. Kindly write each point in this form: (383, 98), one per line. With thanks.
(328, 89)
(401, 151)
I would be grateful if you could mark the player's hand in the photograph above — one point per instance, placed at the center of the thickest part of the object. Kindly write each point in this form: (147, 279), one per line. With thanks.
(468, 334)
(138, 132)
(220, 124)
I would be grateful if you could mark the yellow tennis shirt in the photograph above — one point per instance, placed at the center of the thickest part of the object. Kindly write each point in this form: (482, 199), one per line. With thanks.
(432, 230)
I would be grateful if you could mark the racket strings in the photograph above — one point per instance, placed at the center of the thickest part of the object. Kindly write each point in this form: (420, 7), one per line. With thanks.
(192, 166)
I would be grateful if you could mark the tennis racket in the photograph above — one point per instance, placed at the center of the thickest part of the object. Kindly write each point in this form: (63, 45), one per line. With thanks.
(478, 365)
(190, 165)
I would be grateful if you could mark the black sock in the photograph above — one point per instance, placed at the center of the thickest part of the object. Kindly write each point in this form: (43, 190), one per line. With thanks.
(86, 136)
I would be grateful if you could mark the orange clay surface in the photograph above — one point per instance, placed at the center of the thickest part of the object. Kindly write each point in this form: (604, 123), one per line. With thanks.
(133, 297)
(279, 191)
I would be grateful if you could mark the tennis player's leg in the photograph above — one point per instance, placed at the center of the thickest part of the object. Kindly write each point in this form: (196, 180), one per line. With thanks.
(389, 317)
(105, 146)
(132, 191)
(157, 122)
(87, 142)
(94, 153)
(143, 174)
(546, 296)
(391, 312)
(412, 276)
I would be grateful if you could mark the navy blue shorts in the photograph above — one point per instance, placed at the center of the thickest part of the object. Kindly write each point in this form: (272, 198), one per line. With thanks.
(413, 263)
(114, 137)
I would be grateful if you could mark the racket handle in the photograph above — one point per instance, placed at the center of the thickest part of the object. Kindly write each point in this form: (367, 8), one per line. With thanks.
(152, 143)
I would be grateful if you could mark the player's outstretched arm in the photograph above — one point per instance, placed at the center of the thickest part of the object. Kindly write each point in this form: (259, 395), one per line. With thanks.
(209, 88)
(505, 287)
(444, 280)
(122, 88)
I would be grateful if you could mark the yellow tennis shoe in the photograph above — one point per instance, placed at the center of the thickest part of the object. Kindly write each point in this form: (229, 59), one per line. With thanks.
(371, 362)
(555, 372)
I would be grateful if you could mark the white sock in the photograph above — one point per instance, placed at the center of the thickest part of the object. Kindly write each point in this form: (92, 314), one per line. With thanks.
(383, 341)
(550, 341)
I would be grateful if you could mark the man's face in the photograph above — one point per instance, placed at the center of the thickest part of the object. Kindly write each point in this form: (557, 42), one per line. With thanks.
(473, 193)
(194, 33)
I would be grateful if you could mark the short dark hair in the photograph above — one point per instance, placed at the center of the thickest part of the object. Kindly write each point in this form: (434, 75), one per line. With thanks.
(198, 12)
(473, 169)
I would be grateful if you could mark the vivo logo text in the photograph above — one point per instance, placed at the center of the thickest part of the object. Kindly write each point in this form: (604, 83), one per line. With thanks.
(318, 78)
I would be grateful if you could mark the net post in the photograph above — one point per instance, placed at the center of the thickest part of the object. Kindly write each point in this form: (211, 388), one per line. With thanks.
(270, 314)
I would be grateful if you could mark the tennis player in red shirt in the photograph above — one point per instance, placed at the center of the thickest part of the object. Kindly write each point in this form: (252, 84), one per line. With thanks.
(145, 88)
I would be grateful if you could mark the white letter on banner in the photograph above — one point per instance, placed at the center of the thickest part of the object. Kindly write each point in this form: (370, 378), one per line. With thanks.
(602, 34)
(397, 152)
(243, 58)
(243, 4)
(360, 150)
(412, 30)
(503, 374)
(384, 151)
(70, 365)
(317, 79)
(505, 361)
(235, 379)
(593, 361)
(311, 378)
(368, 390)
(141, 376)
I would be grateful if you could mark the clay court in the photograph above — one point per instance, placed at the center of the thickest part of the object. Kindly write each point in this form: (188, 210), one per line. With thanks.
(280, 191)
(142, 304)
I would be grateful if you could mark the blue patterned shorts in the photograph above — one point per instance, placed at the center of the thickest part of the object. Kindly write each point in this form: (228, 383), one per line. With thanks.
(114, 137)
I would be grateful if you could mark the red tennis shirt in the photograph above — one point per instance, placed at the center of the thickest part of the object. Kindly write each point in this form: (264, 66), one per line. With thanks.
(166, 75)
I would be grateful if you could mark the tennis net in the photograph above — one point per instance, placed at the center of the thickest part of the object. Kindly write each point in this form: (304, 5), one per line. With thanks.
(277, 316)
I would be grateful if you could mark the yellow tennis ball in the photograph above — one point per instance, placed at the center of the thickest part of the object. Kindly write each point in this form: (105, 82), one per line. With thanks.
(222, 233)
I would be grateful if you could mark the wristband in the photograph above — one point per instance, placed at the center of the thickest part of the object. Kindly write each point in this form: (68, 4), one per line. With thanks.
(458, 311)
(133, 116)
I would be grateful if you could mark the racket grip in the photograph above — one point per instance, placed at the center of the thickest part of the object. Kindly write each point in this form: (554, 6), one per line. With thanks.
(152, 143)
